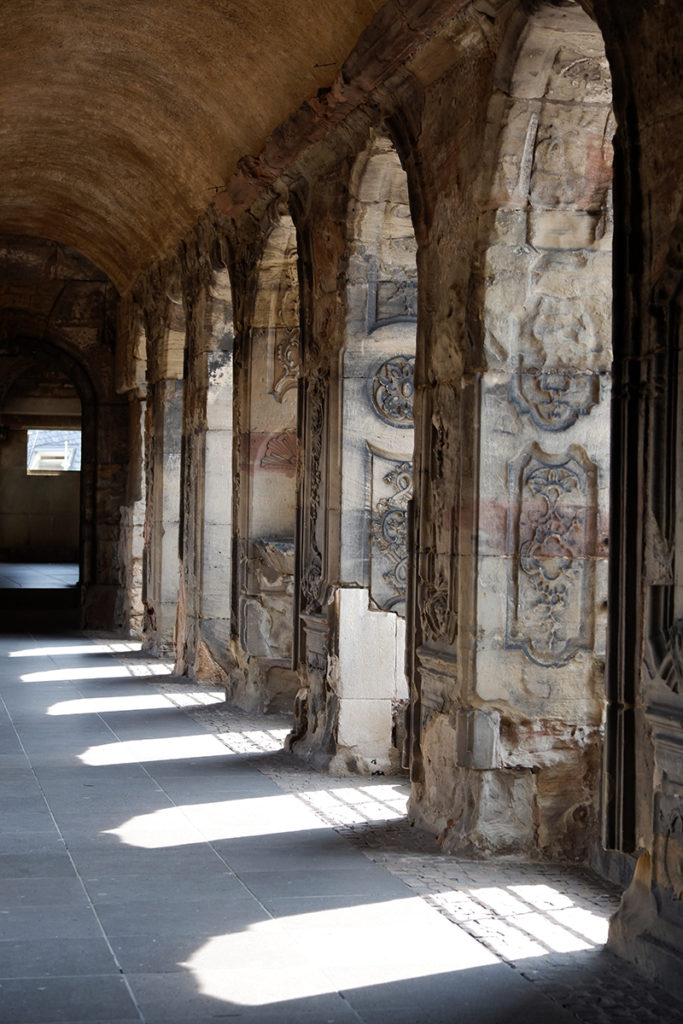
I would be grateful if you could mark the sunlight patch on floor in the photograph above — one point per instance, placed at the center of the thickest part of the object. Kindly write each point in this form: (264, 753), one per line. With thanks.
(228, 819)
(105, 705)
(171, 748)
(58, 675)
(520, 921)
(332, 950)
(115, 647)
(135, 702)
(254, 741)
(353, 805)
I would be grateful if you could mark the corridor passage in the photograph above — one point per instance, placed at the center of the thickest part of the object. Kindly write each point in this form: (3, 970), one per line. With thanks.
(156, 867)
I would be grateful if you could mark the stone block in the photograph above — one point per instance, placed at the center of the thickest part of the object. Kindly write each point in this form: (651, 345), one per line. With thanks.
(369, 658)
(562, 229)
(364, 726)
(477, 738)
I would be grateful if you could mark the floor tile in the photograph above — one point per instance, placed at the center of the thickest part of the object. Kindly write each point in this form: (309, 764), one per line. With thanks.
(92, 998)
(42, 958)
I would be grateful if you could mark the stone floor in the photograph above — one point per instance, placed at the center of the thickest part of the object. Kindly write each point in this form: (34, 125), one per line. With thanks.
(163, 859)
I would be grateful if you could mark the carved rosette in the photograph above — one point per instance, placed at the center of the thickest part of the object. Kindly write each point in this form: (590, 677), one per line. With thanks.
(551, 530)
(391, 391)
(389, 539)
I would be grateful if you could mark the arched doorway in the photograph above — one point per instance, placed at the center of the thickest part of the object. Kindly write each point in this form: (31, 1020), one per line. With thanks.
(45, 454)
(377, 367)
(514, 761)
(267, 372)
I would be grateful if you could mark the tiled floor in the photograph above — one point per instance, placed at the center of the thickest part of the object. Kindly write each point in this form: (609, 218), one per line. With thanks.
(161, 860)
(38, 575)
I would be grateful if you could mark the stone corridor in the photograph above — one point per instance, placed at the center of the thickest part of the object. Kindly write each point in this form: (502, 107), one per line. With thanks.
(163, 858)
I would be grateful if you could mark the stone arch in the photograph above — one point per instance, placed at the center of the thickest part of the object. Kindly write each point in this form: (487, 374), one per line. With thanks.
(545, 413)
(25, 355)
(523, 744)
(376, 461)
(267, 498)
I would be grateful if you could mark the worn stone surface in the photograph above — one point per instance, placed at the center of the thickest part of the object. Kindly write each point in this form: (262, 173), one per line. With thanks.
(411, 388)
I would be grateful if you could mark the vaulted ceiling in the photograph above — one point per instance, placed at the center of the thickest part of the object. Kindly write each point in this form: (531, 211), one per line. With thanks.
(119, 118)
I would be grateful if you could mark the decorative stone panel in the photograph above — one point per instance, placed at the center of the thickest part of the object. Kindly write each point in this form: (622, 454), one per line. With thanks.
(551, 541)
(283, 360)
(392, 488)
(391, 391)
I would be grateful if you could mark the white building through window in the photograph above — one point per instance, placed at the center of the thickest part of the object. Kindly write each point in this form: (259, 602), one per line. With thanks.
(53, 451)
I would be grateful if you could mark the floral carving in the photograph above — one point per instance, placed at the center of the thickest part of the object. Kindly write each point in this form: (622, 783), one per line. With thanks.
(438, 620)
(390, 532)
(391, 391)
(553, 399)
(549, 539)
(285, 363)
(312, 580)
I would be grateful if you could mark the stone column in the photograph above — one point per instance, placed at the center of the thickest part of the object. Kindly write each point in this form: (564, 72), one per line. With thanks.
(163, 438)
(203, 626)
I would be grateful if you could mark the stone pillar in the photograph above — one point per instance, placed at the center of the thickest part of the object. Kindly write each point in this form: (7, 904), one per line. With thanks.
(203, 625)
(163, 441)
(267, 383)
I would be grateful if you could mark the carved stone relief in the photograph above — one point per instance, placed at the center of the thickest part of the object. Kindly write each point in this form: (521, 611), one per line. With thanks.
(553, 398)
(558, 332)
(283, 362)
(576, 77)
(390, 302)
(392, 491)
(281, 452)
(311, 581)
(551, 529)
(666, 659)
(391, 391)
(436, 615)
(438, 565)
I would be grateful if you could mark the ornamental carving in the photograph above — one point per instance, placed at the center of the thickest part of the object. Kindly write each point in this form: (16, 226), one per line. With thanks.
(391, 391)
(588, 75)
(391, 302)
(390, 539)
(664, 657)
(311, 582)
(553, 399)
(281, 452)
(551, 526)
(438, 620)
(284, 362)
(671, 669)
(312, 577)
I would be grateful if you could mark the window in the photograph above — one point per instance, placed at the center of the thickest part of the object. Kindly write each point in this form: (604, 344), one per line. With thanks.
(53, 451)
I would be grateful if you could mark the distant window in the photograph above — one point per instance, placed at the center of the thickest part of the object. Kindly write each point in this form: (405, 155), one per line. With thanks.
(53, 451)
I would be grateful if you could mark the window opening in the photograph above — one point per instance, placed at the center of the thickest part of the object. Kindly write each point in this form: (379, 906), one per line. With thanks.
(49, 452)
